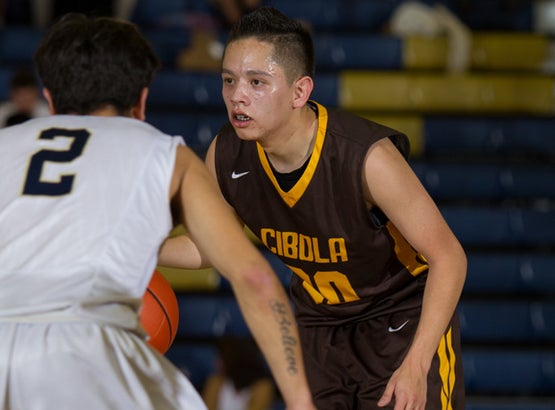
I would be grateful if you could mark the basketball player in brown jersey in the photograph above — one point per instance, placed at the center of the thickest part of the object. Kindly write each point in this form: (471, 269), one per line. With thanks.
(377, 271)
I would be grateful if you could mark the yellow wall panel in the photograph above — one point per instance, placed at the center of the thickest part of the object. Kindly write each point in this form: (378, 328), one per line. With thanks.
(489, 51)
(536, 94)
(201, 280)
(509, 51)
(424, 52)
(365, 90)
(433, 92)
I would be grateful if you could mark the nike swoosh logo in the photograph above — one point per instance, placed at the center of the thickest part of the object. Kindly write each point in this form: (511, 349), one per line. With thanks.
(235, 175)
(396, 329)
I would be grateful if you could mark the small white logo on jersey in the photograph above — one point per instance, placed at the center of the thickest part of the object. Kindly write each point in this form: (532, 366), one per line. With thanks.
(396, 329)
(235, 175)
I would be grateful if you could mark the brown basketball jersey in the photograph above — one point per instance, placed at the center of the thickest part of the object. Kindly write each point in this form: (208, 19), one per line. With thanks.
(349, 263)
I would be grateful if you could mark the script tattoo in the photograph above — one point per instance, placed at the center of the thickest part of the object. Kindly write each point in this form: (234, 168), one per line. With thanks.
(288, 341)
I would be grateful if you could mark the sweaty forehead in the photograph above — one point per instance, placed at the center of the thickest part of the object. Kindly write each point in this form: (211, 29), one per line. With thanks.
(250, 55)
(258, 54)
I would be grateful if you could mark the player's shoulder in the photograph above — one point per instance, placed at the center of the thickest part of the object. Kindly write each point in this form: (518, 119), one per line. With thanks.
(350, 123)
(363, 131)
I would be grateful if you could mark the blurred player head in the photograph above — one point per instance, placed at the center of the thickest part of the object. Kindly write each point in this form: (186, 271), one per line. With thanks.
(88, 64)
(24, 92)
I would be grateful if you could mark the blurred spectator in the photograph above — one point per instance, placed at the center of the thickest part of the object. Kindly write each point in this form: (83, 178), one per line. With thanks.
(242, 380)
(205, 50)
(414, 18)
(230, 11)
(24, 99)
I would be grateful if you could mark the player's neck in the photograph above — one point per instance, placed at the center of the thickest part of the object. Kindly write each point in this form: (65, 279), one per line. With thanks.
(292, 151)
(108, 111)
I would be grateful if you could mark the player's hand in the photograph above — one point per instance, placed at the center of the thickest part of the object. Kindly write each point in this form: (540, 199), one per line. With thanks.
(406, 388)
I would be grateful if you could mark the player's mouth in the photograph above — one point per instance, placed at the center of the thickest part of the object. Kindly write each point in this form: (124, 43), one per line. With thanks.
(241, 120)
(242, 117)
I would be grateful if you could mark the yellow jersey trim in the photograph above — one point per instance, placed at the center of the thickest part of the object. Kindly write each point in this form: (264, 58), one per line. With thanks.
(292, 196)
(447, 374)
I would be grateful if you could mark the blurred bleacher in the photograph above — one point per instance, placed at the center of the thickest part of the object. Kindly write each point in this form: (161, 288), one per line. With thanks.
(483, 143)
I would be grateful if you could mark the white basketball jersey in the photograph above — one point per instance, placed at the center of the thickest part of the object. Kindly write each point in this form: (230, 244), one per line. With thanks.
(83, 210)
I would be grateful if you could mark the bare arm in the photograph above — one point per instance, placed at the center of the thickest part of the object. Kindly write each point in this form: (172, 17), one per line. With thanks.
(181, 252)
(393, 186)
(261, 297)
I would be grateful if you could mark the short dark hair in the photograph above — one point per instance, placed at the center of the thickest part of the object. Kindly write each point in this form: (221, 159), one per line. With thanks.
(88, 63)
(293, 45)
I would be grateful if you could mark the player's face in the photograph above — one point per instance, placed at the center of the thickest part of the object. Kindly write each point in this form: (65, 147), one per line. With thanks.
(255, 90)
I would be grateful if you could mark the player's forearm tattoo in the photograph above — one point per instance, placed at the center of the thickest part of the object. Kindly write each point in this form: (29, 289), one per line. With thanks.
(288, 341)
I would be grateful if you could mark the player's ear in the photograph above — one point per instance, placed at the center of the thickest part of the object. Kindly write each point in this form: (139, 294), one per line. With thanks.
(139, 110)
(48, 97)
(303, 88)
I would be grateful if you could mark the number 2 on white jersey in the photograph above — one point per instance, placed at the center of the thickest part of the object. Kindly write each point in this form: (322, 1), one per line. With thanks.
(34, 184)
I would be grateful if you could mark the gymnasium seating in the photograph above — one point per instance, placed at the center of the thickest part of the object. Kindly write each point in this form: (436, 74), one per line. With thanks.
(491, 135)
(489, 226)
(507, 321)
(17, 45)
(168, 42)
(488, 52)
(496, 273)
(171, 88)
(357, 51)
(509, 370)
(162, 14)
(483, 145)
(454, 180)
(370, 15)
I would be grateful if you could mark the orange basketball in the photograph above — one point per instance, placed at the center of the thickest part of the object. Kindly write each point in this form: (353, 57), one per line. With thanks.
(159, 314)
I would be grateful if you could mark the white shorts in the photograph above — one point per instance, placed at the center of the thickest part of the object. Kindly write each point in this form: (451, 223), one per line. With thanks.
(85, 365)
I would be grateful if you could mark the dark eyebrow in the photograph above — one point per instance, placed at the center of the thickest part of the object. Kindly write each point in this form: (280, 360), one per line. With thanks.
(250, 73)
(258, 73)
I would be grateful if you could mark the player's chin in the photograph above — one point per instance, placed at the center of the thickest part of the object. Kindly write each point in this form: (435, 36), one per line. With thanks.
(246, 134)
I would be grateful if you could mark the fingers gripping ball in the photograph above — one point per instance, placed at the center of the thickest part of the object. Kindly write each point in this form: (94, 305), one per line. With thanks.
(159, 313)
